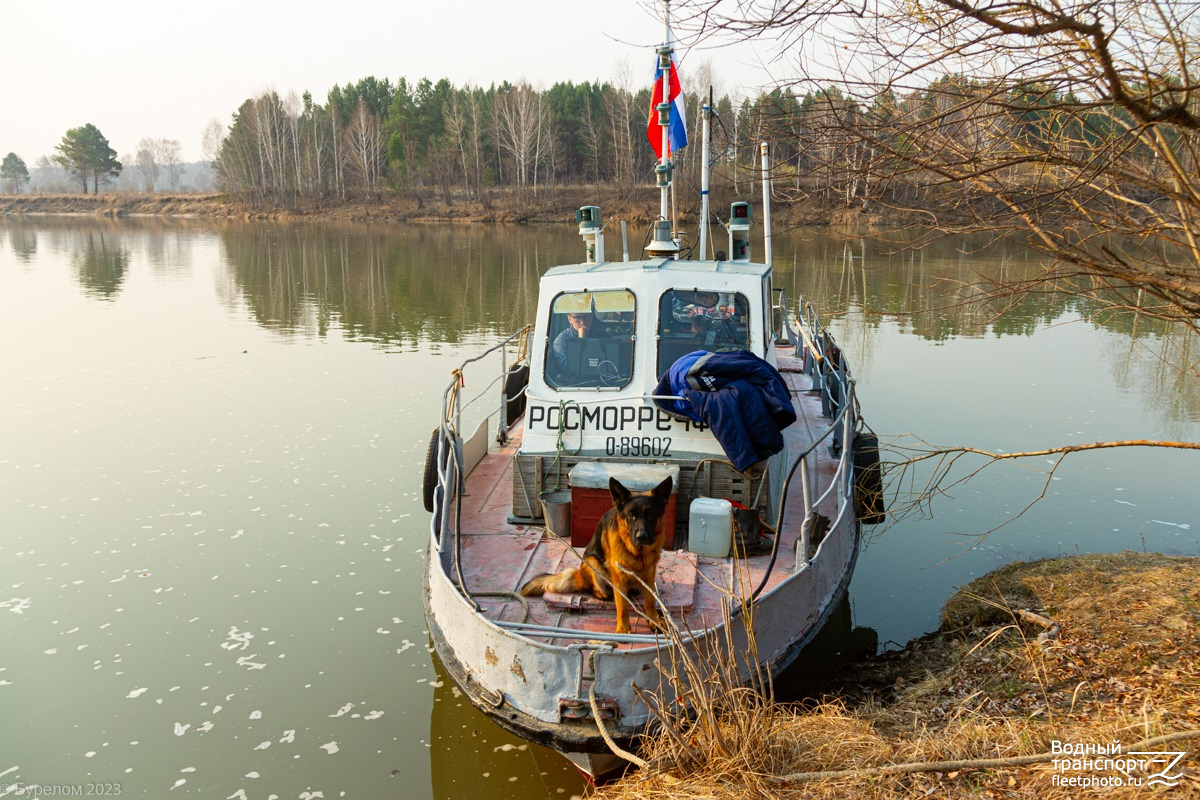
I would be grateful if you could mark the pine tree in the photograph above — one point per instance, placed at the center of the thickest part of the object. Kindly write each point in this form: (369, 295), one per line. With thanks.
(13, 173)
(85, 153)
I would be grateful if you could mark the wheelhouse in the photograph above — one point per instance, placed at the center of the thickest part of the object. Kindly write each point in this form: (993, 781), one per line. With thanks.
(605, 334)
(592, 377)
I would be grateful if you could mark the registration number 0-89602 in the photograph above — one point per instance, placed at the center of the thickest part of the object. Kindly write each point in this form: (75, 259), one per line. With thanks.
(638, 445)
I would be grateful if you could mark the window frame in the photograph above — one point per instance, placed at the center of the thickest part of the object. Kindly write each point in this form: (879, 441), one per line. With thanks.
(741, 301)
(550, 360)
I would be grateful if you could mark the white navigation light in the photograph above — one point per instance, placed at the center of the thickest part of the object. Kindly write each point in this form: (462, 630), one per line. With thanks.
(739, 231)
(592, 231)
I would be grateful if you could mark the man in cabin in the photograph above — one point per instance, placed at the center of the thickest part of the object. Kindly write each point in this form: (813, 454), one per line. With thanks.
(592, 350)
(579, 326)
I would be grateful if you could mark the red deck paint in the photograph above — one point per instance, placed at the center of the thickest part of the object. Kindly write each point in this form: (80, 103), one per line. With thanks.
(499, 557)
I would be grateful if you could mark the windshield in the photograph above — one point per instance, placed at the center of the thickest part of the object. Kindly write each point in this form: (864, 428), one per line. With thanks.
(690, 320)
(590, 345)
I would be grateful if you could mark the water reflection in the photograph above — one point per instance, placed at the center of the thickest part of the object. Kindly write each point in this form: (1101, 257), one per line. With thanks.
(100, 263)
(472, 757)
(24, 244)
(153, 497)
(937, 290)
(949, 289)
(103, 249)
(838, 643)
(395, 284)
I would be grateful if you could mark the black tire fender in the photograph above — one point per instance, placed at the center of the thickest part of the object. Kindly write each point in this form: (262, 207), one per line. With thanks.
(868, 480)
(514, 392)
(430, 480)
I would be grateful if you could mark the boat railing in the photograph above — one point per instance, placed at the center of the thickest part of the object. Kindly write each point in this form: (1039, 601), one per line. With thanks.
(596, 401)
(823, 363)
(832, 380)
(779, 316)
(456, 453)
(553, 632)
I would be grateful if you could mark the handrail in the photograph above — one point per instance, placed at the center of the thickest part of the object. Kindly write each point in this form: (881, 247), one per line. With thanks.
(816, 340)
(783, 492)
(843, 420)
(452, 388)
(601, 400)
(553, 632)
(450, 463)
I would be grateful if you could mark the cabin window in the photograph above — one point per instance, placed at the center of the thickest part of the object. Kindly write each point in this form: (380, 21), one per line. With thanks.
(690, 320)
(590, 345)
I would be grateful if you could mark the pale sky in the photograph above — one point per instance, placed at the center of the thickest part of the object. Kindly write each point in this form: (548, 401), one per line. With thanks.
(146, 68)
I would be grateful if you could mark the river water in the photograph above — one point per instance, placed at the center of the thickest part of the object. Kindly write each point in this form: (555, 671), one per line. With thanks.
(211, 440)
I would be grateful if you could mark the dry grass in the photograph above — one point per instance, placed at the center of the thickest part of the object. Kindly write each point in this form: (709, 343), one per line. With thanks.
(1125, 667)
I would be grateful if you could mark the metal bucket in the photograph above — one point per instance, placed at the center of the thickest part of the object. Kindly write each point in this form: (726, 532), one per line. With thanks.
(556, 510)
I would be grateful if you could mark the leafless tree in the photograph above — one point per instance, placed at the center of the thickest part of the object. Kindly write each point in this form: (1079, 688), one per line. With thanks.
(548, 148)
(477, 124)
(48, 176)
(698, 79)
(316, 151)
(518, 122)
(170, 158)
(211, 140)
(156, 156)
(454, 120)
(365, 142)
(591, 134)
(146, 164)
(1076, 123)
(339, 181)
(622, 116)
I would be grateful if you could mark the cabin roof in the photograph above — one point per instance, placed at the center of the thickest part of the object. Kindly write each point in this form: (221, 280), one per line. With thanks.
(662, 265)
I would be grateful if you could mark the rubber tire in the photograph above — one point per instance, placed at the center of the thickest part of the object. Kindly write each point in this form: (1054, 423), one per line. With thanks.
(868, 480)
(430, 479)
(514, 384)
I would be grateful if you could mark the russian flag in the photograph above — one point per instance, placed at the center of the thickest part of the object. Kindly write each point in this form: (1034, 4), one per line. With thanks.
(677, 130)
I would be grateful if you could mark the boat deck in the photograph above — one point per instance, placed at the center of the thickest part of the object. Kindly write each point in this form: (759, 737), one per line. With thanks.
(499, 557)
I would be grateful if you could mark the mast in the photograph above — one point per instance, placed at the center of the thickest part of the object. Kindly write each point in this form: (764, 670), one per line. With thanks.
(664, 108)
(661, 241)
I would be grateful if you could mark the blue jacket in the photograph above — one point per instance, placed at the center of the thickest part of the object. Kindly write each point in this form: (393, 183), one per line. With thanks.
(742, 399)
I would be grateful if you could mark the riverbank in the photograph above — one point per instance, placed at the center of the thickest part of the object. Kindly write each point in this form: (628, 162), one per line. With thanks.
(547, 205)
(997, 703)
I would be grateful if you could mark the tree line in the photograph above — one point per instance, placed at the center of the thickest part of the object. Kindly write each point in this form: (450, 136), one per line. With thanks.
(375, 136)
(84, 153)
(891, 146)
(84, 158)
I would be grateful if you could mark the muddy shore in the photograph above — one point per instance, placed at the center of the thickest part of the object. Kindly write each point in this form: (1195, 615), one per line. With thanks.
(547, 205)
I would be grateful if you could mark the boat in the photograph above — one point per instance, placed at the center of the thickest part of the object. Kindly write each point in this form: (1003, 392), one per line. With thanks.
(516, 479)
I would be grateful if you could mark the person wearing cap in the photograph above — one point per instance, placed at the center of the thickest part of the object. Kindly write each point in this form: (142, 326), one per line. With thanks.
(579, 326)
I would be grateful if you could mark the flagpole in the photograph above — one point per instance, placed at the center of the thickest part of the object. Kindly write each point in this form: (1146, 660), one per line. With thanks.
(662, 241)
(664, 119)
(674, 217)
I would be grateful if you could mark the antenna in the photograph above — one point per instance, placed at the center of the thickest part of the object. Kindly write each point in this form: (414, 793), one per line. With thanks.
(705, 113)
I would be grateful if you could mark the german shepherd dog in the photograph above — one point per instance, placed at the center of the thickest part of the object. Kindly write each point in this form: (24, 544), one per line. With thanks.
(628, 539)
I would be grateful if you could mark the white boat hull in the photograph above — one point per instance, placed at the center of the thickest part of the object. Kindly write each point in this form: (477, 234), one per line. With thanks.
(565, 679)
(519, 681)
